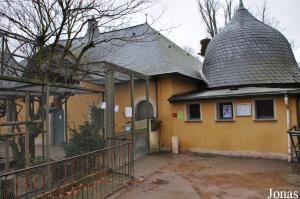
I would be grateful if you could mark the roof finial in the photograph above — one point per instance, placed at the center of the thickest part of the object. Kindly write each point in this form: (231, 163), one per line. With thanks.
(146, 17)
(241, 4)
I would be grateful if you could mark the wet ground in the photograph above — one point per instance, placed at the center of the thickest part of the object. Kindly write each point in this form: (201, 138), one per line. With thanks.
(190, 176)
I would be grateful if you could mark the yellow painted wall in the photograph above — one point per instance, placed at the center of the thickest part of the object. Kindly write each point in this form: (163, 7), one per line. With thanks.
(78, 105)
(123, 100)
(242, 134)
(168, 86)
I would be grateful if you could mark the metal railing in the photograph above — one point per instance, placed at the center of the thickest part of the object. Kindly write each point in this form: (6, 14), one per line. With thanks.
(96, 174)
(294, 134)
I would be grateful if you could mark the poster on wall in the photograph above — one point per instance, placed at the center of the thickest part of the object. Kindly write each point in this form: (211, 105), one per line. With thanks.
(227, 111)
(128, 112)
(243, 109)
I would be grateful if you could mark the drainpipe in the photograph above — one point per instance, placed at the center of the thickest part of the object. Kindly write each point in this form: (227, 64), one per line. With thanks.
(288, 122)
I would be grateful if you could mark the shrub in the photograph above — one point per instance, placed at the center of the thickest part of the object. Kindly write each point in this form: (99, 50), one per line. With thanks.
(87, 138)
(84, 140)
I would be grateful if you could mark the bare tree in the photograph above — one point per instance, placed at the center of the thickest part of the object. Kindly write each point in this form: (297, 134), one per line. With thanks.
(48, 22)
(263, 12)
(228, 10)
(208, 10)
(210, 13)
(50, 33)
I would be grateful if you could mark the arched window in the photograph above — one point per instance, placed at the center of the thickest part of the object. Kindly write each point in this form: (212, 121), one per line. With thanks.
(141, 110)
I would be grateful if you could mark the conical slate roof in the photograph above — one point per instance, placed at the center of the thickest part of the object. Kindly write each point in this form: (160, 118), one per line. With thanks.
(249, 52)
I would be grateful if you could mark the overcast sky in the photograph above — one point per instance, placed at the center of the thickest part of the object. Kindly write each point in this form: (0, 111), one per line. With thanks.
(188, 31)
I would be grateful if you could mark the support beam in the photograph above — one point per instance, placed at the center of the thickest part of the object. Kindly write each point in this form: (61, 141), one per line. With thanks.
(47, 123)
(110, 104)
(148, 112)
(66, 119)
(2, 55)
(132, 95)
(43, 121)
(27, 133)
(7, 160)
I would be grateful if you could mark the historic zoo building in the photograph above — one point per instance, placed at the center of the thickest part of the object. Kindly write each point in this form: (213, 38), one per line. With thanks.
(240, 101)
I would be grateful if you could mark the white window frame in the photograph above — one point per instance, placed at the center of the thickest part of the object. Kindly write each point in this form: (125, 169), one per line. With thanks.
(264, 119)
(186, 112)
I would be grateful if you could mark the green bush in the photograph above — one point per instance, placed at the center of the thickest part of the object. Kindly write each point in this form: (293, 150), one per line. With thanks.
(85, 139)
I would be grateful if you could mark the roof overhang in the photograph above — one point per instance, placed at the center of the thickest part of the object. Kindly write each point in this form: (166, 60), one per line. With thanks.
(232, 93)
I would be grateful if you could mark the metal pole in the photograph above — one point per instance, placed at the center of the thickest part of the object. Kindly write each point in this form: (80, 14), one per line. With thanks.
(48, 173)
(43, 122)
(132, 95)
(27, 119)
(47, 124)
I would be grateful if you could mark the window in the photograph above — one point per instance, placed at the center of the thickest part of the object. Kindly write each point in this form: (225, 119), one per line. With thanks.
(264, 109)
(193, 112)
(225, 111)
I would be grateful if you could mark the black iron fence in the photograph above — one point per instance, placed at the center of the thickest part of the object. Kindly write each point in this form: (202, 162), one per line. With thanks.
(97, 174)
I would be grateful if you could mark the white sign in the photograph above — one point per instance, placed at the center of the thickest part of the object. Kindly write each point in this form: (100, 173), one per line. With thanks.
(227, 111)
(128, 112)
(103, 105)
(243, 109)
(117, 108)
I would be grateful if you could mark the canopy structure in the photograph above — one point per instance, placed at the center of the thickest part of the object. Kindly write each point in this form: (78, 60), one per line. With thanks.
(41, 105)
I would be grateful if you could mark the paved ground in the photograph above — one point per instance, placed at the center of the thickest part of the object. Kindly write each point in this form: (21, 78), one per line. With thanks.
(190, 176)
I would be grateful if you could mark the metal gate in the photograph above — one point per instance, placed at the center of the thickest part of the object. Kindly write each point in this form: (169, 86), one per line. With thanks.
(141, 142)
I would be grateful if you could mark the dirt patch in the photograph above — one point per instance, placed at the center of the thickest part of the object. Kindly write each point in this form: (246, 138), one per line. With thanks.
(188, 167)
(210, 180)
(216, 177)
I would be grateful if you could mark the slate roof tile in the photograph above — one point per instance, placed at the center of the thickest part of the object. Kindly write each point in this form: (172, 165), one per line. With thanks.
(246, 52)
(149, 52)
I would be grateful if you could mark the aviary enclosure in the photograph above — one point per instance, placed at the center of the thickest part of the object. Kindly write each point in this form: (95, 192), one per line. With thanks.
(68, 130)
